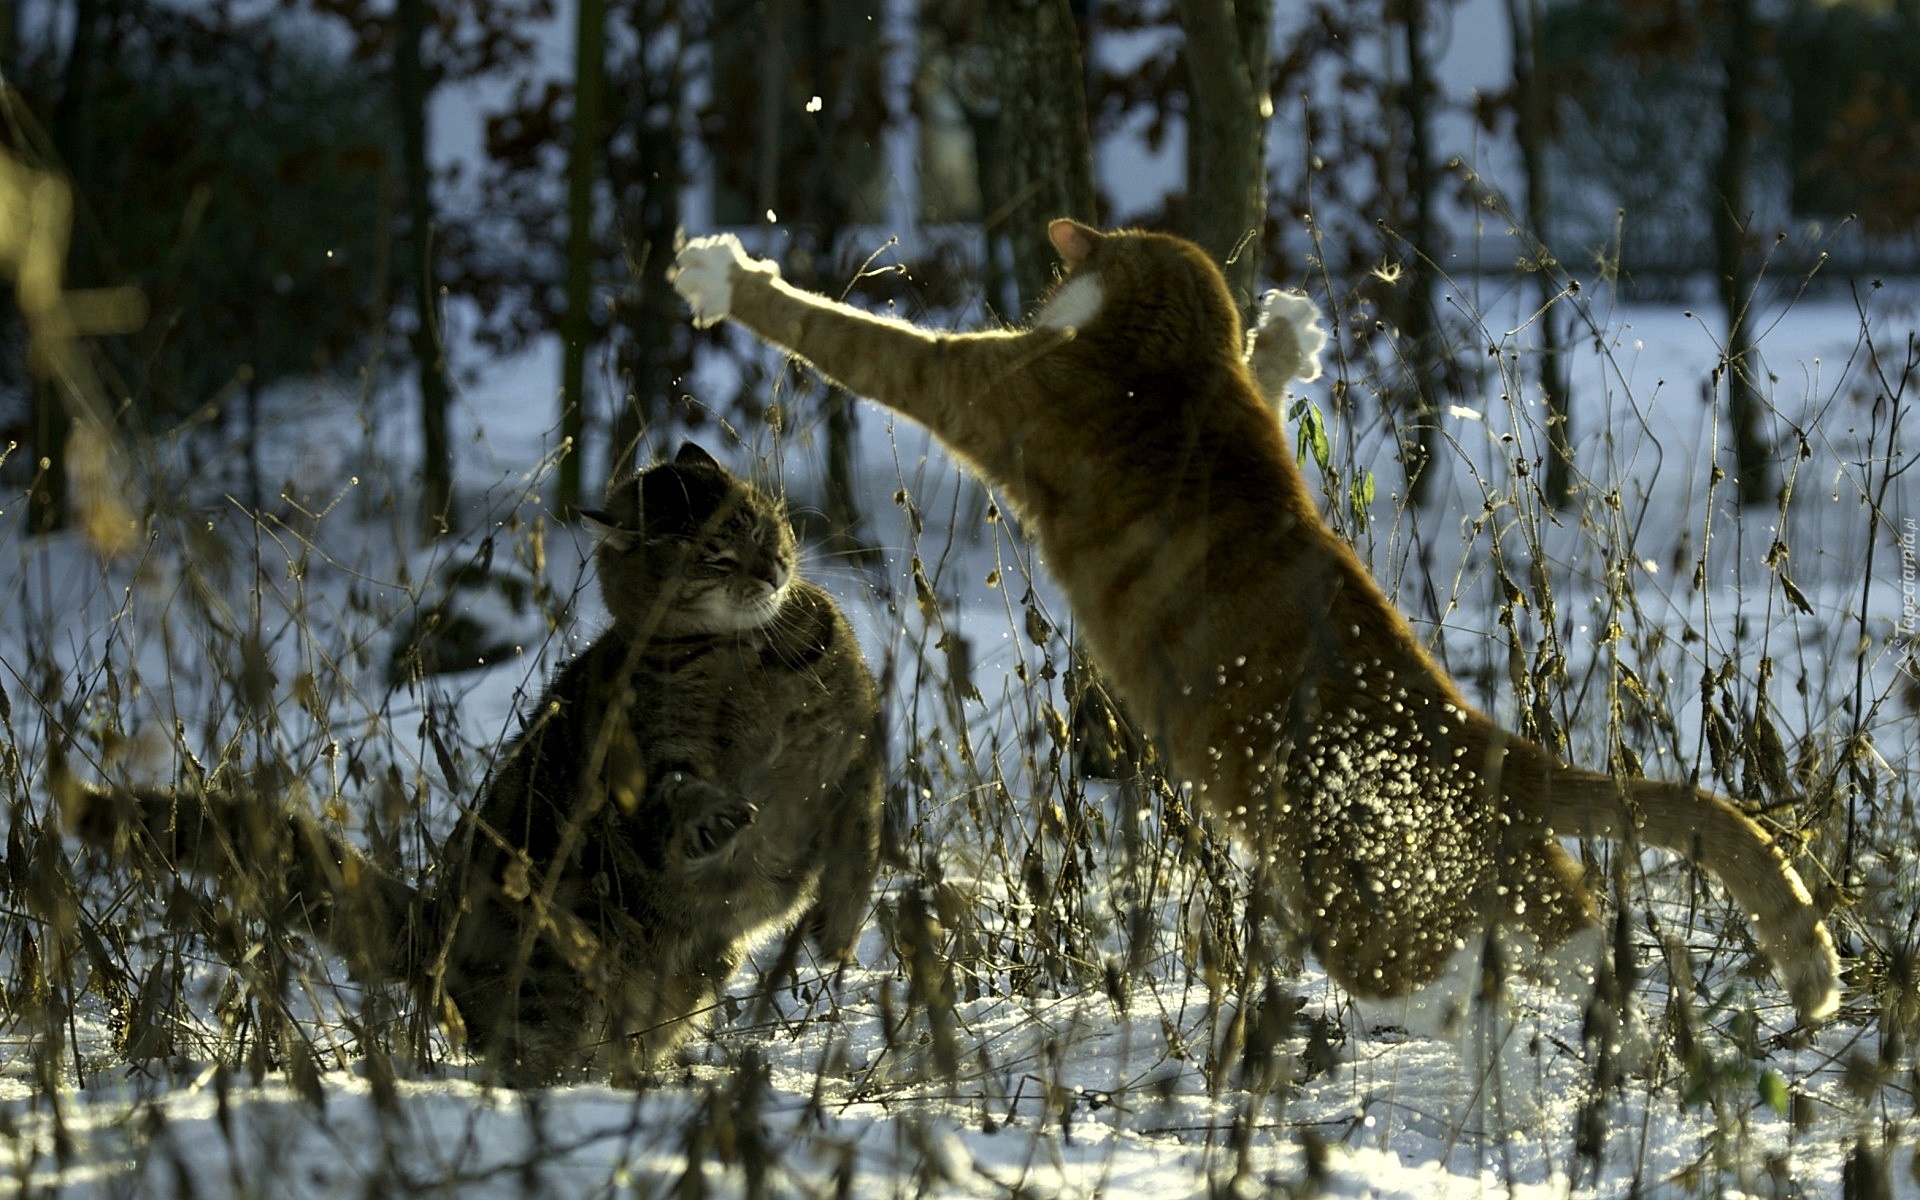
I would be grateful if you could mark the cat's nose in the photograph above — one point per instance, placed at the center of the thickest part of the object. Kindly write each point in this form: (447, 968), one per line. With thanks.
(770, 572)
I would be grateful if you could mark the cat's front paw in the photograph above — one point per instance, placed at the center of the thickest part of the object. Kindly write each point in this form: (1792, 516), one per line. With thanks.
(705, 817)
(1286, 342)
(704, 272)
(711, 831)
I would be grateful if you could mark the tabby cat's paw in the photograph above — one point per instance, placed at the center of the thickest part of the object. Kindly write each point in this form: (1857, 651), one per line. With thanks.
(711, 831)
(704, 271)
(708, 817)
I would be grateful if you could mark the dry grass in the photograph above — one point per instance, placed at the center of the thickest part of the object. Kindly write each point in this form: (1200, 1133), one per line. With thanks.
(1052, 951)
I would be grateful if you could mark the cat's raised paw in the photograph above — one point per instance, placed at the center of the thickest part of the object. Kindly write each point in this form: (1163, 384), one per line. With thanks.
(704, 271)
(708, 817)
(708, 833)
(1284, 346)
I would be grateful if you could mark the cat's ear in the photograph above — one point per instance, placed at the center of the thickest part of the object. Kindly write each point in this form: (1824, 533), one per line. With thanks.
(1073, 240)
(604, 531)
(691, 454)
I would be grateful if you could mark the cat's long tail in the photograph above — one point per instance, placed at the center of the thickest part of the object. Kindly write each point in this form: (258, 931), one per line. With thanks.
(271, 858)
(1711, 833)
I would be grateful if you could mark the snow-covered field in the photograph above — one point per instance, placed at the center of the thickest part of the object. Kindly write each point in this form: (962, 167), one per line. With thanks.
(1080, 1036)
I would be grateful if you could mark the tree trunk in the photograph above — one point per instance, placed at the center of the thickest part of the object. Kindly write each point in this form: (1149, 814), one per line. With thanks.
(47, 495)
(1419, 324)
(1733, 265)
(1523, 19)
(996, 198)
(649, 312)
(828, 213)
(583, 173)
(1227, 56)
(1044, 142)
(436, 466)
(52, 423)
(1045, 160)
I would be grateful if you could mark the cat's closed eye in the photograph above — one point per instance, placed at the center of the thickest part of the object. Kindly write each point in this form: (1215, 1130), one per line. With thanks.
(720, 562)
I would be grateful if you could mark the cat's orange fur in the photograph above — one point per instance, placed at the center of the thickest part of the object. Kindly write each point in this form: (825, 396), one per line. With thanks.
(1255, 646)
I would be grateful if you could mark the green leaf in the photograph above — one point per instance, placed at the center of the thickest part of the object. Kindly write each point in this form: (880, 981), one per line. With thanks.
(1312, 440)
(1360, 499)
(1773, 1092)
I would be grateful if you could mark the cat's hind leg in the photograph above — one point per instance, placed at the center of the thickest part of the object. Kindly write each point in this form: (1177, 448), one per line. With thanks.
(850, 863)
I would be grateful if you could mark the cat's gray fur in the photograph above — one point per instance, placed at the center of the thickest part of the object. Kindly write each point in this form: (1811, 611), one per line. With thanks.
(708, 771)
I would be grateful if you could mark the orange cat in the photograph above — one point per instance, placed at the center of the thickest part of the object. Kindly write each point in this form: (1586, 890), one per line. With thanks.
(1246, 637)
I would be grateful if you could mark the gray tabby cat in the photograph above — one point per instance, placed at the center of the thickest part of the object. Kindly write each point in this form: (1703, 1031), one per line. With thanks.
(707, 772)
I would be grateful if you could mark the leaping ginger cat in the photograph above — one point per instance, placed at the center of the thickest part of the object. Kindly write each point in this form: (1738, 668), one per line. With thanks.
(1249, 640)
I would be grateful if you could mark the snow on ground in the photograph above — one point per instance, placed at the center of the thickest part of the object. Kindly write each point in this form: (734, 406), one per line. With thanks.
(810, 1089)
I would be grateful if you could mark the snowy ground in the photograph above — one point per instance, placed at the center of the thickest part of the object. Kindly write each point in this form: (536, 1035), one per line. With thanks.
(1080, 1071)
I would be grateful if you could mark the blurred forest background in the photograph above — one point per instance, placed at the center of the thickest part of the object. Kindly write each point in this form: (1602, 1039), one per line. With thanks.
(264, 173)
(217, 215)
